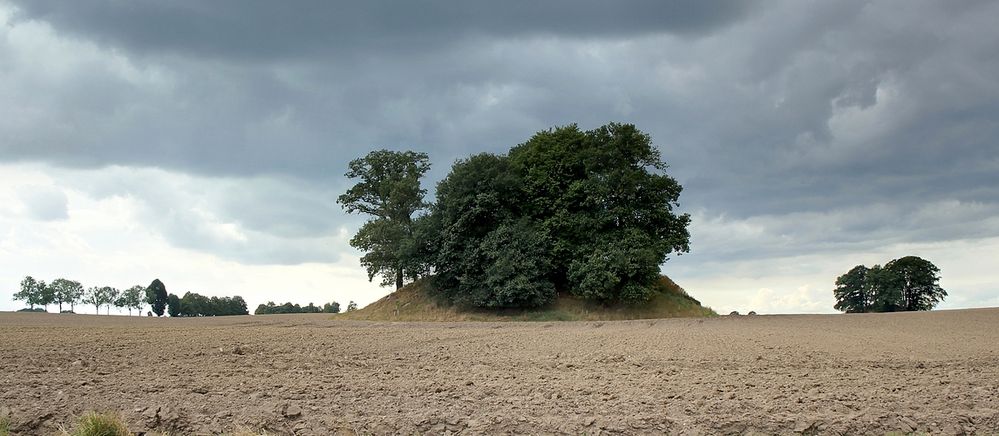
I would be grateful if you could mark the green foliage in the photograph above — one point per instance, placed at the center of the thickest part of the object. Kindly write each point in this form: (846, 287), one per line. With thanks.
(131, 298)
(66, 291)
(852, 293)
(918, 280)
(34, 292)
(906, 284)
(587, 212)
(389, 191)
(272, 309)
(352, 306)
(37, 309)
(4, 426)
(156, 297)
(101, 296)
(100, 424)
(46, 294)
(173, 305)
(193, 304)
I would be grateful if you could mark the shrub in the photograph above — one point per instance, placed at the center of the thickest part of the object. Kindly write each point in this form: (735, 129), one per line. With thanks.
(100, 424)
(37, 310)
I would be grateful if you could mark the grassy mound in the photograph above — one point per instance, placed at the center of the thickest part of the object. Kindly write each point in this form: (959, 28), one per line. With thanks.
(414, 303)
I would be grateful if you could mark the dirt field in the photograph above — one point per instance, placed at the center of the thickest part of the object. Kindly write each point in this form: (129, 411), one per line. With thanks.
(308, 374)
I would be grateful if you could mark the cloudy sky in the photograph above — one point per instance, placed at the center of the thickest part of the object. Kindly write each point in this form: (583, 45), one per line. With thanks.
(204, 143)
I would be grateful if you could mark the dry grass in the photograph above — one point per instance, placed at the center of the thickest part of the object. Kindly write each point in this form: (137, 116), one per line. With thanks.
(413, 303)
(100, 424)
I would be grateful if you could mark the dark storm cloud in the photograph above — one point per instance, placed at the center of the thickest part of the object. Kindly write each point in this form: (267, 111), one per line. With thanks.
(266, 29)
(821, 125)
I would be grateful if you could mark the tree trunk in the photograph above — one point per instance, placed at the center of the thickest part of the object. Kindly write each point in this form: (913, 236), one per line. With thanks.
(60, 307)
(398, 279)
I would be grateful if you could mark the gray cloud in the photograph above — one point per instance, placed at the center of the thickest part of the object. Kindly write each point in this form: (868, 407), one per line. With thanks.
(43, 203)
(826, 124)
(267, 30)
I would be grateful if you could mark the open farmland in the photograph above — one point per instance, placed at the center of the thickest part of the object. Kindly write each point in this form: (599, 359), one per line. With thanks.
(312, 374)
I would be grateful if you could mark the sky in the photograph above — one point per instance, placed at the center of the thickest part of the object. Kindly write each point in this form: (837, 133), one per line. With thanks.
(204, 143)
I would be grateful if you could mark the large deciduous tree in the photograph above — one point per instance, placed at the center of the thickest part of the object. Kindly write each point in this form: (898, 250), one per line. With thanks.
(388, 190)
(852, 292)
(905, 284)
(591, 213)
(31, 292)
(101, 296)
(919, 282)
(66, 291)
(131, 298)
(156, 297)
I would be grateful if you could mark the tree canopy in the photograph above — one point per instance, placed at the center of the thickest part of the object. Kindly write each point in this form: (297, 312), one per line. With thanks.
(389, 191)
(907, 284)
(67, 291)
(273, 309)
(32, 292)
(590, 213)
(156, 297)
(194, 304)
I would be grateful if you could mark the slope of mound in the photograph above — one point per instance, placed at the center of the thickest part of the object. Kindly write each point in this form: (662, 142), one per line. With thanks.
(414, 303)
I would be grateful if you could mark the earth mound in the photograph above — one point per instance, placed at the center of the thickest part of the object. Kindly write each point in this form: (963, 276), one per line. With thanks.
(414, 302)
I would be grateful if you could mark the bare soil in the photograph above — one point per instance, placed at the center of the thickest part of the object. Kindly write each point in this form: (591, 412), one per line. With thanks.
(311, 374)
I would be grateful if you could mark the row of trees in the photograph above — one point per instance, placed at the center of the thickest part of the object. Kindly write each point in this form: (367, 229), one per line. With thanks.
(271, 309)
(905, 284)
(71, 292)
(193, 304)
(63, 291)
(591, 213)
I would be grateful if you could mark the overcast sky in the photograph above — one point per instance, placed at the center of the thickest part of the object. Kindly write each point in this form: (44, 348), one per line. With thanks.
(204, 143)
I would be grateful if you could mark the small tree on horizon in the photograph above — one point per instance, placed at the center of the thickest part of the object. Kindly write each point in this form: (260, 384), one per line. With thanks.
(66, 292)
(156, 296)
(100, 296)
(131, 298)
(173, 305)
(46, 294)
(34, 293)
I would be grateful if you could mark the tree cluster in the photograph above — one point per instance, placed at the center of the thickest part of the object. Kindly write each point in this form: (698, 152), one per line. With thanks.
(193, 304)
(271, 309)
(64, 291)
(590, 213)
(906, 284)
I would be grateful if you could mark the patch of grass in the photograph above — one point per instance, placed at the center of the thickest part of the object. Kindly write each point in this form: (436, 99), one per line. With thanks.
(4, 426)
(414, 303)
(100, 424)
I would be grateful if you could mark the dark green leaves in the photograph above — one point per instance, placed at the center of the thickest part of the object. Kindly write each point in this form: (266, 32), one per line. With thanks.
(589, 213)
(905, 284)
(389, 190)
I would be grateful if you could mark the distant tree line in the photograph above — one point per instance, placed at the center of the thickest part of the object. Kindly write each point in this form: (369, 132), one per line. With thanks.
(272, 309)
(70, 292)
(193, 304)
(906, 284)
(587, 213)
